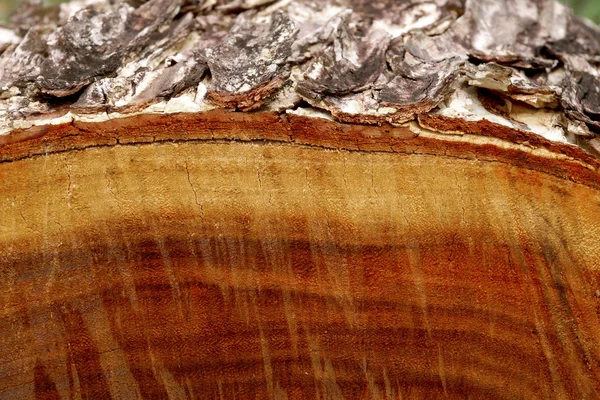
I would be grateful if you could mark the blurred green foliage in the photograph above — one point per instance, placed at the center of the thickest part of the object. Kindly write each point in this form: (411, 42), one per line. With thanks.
(586, 8)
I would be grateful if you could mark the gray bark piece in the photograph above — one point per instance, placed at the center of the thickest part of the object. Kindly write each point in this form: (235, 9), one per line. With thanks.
(579, 51)
(419, 84)
(92, 45)
(31, 15)
(347, 65)
(143, 85)
(250, 63)
(509, 82)
(23, 62)
(509, 32)
(523, 64)
(511, 29)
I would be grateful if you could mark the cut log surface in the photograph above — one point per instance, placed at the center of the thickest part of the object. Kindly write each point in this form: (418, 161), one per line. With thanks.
(294, 200)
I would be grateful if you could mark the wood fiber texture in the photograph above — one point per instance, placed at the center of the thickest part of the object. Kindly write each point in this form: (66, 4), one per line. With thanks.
(212, 268)
(259, 199)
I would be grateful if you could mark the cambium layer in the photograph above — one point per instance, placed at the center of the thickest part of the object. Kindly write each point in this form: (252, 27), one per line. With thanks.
(288, 200)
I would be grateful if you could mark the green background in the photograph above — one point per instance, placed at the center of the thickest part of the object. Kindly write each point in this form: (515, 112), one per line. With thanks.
(587, 8)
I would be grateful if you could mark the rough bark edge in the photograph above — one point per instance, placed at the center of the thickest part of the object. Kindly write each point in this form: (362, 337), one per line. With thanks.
(348, 58)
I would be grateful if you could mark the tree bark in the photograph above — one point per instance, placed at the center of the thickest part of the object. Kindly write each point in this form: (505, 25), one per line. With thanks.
(258, 199)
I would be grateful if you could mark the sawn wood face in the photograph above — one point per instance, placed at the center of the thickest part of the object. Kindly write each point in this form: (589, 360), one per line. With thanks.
(241, 270)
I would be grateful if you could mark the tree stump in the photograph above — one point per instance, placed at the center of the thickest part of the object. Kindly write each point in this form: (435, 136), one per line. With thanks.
(289, 200)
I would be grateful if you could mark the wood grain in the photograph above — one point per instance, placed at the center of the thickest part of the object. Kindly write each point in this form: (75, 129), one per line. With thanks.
(263, 269)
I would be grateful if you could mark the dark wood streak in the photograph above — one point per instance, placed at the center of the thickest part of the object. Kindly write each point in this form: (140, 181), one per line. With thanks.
(44, 387)
(340, 274)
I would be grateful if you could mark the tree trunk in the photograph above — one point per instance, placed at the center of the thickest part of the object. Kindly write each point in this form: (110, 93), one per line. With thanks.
(258, 199)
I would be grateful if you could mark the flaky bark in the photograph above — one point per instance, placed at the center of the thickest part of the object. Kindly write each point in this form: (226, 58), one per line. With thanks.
(527, 65)
(283, 199)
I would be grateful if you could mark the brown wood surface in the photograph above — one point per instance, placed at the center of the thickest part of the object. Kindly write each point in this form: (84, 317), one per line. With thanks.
(282, 261)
